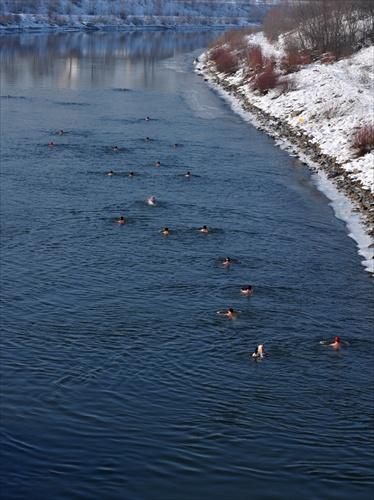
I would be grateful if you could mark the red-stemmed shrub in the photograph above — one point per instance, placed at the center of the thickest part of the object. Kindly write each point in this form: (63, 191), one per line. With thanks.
(293, 60)
(255, 58)
(216, 52)
(266, 80)
(225, 61)
(362, 141)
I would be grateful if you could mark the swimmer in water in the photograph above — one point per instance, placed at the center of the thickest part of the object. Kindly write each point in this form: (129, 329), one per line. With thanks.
(336, 344)
(165, 231)
(110, 173)
(247, 290)
(61, 132)
(204, 229)
(227, 261)
(131, 174)
(259, 352)
(175, 145)
(147, 139)
(151, 201)
(230, 313)
(147, 118)
(158, 164)
(121, 220)
(51, 144)
(115, 148)
(188, 174)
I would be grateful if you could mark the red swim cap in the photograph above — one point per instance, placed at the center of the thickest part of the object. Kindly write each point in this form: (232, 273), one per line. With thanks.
(337, 339)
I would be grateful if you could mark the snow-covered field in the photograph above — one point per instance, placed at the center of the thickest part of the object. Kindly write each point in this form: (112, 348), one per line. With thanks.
(328, 102)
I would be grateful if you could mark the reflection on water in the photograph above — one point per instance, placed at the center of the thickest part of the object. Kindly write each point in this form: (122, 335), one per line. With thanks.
(62, 56)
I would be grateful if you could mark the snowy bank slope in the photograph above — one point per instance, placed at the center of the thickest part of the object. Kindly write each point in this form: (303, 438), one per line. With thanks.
(327, 103)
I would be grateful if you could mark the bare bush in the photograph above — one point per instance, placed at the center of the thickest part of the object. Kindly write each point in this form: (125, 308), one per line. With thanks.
(234, 37)
(266, 80)
(225, 61)
(331, 111)
(286, 85)
(255, 58)
(122, 13)
(277, 21)
(237, 40)
(364, 77)
(293, 60)
(362, 141)
(6, 19)
(59, 20)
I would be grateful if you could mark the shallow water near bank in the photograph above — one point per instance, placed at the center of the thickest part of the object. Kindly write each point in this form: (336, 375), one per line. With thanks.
(119, 378)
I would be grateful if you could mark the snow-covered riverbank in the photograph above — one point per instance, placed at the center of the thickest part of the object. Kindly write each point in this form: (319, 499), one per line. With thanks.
(315, 121)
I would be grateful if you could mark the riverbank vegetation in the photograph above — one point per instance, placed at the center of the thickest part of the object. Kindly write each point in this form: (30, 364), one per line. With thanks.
(323, 31)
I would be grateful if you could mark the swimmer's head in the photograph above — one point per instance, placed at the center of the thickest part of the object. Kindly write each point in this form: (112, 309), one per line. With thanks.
(337, 339)
(231, 310)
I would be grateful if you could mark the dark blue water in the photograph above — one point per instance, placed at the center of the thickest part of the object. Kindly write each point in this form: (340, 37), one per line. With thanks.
(119, 378)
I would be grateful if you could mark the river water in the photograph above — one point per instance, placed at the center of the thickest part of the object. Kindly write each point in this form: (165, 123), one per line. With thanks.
(119, 378)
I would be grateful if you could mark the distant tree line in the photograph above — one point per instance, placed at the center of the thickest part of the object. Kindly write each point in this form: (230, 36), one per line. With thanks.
(232, 12)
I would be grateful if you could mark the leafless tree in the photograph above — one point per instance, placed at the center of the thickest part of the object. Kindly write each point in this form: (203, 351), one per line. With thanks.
(335, 26)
